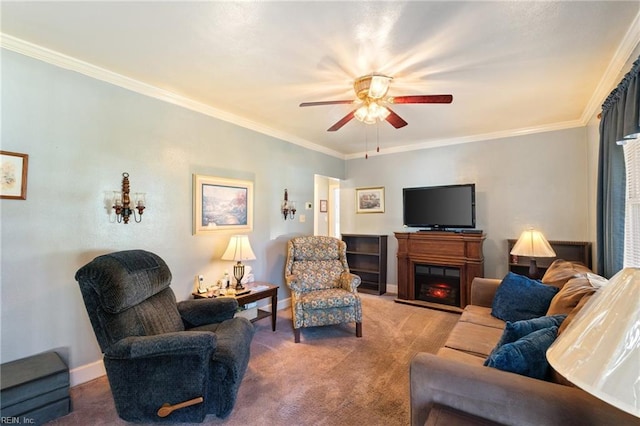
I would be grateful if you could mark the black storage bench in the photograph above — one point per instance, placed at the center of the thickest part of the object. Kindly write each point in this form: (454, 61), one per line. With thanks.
(34, 390)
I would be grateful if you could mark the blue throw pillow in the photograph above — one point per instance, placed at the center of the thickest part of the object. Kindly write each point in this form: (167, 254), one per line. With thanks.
(521, 298)
(525, 356)
(518, 329)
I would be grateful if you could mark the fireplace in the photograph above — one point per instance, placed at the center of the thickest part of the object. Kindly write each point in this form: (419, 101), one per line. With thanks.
(458, 252)
(437, 284)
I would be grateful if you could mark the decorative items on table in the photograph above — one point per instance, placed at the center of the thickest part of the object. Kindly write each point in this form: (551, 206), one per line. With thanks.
(532, 244)
(248, 275)
(200, 285)
(122, 202)
(239, 249)
(600, 350)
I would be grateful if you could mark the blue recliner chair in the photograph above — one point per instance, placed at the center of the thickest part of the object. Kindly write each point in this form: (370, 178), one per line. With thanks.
(165, 361)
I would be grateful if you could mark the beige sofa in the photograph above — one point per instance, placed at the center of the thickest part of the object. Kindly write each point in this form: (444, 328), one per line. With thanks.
(455, 380)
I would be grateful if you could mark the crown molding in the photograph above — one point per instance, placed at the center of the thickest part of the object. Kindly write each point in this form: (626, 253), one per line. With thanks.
(73, 64)
(469, 139)
(608, 80)
(611, 75)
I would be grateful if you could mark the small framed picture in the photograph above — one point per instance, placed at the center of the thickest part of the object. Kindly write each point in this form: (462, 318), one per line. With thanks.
(323, 206)
(221, 204)
(370, 200)
(13, 167)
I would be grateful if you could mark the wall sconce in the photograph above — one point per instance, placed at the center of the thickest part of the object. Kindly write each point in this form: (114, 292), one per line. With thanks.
(288, 207)
(122, 202)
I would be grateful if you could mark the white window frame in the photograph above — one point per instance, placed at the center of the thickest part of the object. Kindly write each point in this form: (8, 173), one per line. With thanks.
(632, 204)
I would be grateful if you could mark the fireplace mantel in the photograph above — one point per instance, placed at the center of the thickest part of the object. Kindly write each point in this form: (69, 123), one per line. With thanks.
(451, 249)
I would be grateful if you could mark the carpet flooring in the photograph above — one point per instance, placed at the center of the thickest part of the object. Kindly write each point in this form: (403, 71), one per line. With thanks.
(329, 378)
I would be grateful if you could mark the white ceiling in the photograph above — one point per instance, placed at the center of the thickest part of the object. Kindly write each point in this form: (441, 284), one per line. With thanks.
(512, 67)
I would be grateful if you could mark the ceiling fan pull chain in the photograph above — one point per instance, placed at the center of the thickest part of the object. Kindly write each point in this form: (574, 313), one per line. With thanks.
(366, 144)
(378, 136)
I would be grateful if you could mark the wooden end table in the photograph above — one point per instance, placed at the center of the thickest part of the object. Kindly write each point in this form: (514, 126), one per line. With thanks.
(259, 290)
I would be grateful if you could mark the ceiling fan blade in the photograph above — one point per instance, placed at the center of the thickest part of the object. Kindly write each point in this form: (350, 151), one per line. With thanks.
(395, 120)
(422, 99)
(347, 118)
(306, 104)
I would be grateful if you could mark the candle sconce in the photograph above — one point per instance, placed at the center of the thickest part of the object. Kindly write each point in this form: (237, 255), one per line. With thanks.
(122, 202)
(288, 207)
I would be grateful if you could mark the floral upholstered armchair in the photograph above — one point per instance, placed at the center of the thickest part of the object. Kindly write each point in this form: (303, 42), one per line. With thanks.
(323, 291)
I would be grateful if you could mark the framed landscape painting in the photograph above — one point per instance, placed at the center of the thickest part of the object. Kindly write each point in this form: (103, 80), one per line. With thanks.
(221, 204)
(13, 175)
(370, 200)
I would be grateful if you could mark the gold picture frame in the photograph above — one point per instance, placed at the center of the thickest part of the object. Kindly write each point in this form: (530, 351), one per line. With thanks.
(370, 200)
(13, 175)
(221, 204)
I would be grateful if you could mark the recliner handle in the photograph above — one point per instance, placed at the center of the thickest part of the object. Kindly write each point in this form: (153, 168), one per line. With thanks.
(167, 408)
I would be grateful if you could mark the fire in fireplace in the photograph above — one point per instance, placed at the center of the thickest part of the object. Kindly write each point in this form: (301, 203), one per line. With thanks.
(438, 284)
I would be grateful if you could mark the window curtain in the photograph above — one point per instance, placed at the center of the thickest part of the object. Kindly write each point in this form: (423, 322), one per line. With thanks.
(619, 122)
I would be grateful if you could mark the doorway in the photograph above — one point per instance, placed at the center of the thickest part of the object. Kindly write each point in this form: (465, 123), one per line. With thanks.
(326, 194)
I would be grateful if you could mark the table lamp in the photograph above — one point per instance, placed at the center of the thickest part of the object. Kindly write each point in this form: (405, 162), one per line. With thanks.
(600, 350)
(239, 249)
(532, 244)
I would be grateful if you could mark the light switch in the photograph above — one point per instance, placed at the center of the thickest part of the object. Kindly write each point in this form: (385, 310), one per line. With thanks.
(303, 218)
(308, 205)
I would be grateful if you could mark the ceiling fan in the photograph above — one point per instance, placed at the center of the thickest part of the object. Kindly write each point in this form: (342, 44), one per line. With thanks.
(371, 91)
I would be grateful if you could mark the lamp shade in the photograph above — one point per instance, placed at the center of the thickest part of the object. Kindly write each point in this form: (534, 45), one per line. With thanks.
(600, 349)
(239, 249)
(532, 244)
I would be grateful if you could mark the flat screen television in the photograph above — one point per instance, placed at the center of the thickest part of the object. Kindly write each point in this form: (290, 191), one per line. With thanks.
(440, 207)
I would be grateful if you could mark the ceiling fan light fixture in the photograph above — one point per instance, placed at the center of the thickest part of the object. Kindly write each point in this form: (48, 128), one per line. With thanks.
(371, 105)
(371, 112)
(373, 86)
(361, 113)
(369, 120)
(381, 112)
(379, 86)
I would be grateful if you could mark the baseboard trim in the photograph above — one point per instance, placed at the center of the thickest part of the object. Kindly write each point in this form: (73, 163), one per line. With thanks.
(86, 373)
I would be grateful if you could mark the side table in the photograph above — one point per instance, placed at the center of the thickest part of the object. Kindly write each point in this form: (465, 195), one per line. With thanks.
(259, 290)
